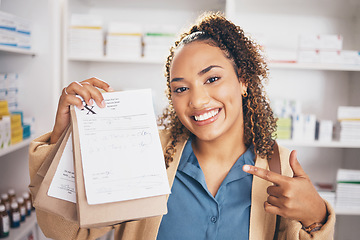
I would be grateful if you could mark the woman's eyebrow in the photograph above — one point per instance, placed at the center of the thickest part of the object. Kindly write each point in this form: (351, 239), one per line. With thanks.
(202, 72)
(205, 70)
(176, 79)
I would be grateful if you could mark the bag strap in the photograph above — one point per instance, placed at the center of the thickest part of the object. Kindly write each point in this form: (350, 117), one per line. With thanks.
(275, 166)
(274, 162)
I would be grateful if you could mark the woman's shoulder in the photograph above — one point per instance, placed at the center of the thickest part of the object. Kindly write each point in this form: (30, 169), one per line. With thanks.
(164, 137)
(167, 139)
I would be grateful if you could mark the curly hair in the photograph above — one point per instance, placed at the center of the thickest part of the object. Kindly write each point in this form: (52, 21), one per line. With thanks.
(259, 121)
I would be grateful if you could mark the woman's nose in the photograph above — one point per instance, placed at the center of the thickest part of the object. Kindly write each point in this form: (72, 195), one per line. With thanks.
(199, 98)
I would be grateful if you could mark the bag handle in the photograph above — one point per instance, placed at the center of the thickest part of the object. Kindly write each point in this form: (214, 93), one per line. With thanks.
(275, 166)
(274, 162)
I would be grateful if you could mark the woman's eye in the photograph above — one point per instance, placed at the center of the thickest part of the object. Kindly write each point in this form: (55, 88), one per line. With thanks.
(180, 89)
(212, 79)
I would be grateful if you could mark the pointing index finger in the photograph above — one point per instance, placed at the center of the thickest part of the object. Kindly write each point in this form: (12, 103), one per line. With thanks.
(264, 174)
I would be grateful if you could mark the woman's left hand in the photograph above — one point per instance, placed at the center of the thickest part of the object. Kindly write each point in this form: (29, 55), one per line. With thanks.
(292, 197)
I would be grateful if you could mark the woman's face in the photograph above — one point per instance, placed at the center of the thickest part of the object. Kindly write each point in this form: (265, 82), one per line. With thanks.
(206, 92)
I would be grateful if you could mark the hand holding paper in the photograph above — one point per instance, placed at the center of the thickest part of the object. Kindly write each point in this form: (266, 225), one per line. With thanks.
(88, 90)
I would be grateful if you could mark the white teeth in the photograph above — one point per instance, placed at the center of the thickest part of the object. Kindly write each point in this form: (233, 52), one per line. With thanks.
(207, 115)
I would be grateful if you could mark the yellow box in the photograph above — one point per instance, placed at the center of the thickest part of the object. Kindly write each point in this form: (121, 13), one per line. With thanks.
(283, 128)
(16, 140)
(16, 135)
(15, 121)
(4, 107)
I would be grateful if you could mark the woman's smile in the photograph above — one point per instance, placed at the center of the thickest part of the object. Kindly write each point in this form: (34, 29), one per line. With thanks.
(206, 117)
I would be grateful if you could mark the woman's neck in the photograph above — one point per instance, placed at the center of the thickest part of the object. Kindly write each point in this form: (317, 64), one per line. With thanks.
(225, 149)
(216, 157)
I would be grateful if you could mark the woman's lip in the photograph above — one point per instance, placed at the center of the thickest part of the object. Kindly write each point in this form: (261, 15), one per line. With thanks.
(207, 121)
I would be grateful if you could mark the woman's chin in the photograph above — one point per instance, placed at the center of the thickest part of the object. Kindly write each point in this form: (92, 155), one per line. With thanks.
(206, 135)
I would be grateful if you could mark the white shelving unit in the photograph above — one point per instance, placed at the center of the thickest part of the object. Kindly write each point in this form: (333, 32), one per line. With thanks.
(313, 66)
(7, 49)
(350, 212)
(39, 88)
(27, 227)
(300, 66)
(15, 147)
(25, 142)
(118, 60)
(316, 144)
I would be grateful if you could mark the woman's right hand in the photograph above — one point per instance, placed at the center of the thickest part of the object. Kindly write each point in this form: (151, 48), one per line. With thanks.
(88, 90)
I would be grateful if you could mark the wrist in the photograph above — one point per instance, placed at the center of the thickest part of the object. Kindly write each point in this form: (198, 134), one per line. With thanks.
(308, 223)
(54, 137)
(313, 227)
(318, 217)
(315, 224)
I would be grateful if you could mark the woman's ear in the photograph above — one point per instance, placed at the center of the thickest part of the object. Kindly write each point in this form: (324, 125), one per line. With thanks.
(243, 87)
(242, 81)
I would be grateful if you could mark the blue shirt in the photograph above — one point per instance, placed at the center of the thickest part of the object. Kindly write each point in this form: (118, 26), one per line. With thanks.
(193, 213)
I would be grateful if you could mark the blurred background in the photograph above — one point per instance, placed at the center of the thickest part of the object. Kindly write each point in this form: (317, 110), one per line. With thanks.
(312, 48)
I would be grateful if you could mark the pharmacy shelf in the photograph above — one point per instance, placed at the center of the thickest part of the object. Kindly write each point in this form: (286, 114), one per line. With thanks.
(347, 211)
(301, 66)
(14, 147)
(8, 49)
(316, 66)
(119, 60)
(332, 144)
(155, 4)
(25, 227)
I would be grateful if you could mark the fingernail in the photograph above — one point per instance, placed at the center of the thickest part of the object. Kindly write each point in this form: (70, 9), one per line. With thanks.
(102, 104)
(246, 168)
(91, 102)
(110, 89)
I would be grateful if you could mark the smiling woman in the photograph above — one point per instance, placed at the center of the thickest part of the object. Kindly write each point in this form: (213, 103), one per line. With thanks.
(215, 78)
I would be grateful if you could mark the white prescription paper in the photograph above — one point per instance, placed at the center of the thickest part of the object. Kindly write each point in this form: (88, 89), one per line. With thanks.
(121, 153)
(63, 184)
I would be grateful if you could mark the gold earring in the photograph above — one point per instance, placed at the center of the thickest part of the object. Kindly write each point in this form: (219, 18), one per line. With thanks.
(245, 94)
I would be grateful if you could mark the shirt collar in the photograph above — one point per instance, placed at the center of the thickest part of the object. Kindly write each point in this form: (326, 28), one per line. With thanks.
(190, 165)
